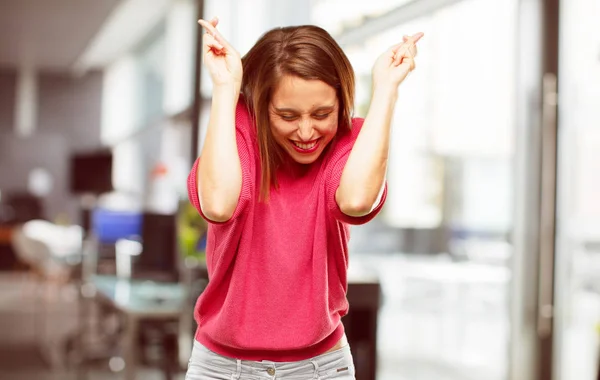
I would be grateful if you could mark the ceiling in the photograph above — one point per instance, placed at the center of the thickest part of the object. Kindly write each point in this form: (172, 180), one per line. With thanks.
(49, 34)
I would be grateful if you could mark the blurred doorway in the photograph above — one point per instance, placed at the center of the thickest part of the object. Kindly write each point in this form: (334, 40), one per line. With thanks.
(577, 274)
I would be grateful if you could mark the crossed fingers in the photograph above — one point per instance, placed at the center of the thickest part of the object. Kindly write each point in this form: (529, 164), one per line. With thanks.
(406, 50)
(213, 40)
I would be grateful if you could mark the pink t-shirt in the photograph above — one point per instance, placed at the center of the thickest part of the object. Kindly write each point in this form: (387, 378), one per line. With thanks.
(277, 270)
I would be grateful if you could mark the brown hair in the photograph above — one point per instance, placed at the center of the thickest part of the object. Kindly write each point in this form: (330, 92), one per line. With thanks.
(308, 52)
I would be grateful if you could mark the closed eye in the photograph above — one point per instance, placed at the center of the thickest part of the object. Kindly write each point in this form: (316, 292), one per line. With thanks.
(322, 116)
(288, 117)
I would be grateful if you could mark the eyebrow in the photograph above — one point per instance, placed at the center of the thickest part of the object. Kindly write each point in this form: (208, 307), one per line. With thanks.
(322, 108)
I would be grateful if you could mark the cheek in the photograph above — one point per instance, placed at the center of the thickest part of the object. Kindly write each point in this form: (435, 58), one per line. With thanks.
(280, 129)
(328, 127)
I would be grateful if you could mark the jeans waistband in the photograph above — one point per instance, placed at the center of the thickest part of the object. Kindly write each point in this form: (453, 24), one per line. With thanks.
(315, 367)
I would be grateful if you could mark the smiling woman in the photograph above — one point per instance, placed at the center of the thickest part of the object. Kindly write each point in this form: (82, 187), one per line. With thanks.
(284, 170)
(302, 69)
(302, 117)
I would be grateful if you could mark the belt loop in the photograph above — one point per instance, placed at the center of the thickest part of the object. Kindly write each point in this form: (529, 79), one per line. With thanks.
(316, 365)
(238, 371)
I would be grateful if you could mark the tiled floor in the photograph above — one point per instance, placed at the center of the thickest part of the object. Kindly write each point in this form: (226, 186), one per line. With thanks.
(433, 327)
(420, 337)
(430, 327)
(21, 355)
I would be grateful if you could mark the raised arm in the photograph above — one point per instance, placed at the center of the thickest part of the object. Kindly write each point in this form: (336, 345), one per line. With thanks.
(219, 170)
(363, 177)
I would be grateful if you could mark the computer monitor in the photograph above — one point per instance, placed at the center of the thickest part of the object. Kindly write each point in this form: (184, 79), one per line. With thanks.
(158, 259)
(91, 172)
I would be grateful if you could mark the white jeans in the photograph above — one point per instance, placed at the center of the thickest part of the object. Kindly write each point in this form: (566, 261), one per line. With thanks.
(207, 365)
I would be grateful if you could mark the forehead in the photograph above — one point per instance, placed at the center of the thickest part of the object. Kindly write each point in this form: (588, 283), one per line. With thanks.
(301, 94)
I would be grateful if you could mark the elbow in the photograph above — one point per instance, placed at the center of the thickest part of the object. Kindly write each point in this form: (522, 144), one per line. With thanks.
(218, 215)
(218, 205)
(217, 212)
(355, 205)
(356, 208)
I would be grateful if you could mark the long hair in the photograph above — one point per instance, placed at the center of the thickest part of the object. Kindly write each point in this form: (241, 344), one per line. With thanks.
(307, 52)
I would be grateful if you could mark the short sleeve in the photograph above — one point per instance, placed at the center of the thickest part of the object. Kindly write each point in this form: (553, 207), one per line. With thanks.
(245, 146)
(332, 178)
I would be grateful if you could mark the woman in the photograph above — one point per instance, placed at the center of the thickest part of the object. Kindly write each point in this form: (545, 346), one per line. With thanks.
(284, 169)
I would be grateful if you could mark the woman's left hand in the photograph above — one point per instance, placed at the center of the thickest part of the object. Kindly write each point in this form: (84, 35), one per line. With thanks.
(392, 67)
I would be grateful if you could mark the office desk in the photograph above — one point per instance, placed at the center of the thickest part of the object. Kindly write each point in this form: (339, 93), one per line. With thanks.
(138, 300)
(146, 300)
(141, 298)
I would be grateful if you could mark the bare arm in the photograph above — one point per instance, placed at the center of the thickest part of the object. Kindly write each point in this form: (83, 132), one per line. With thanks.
(364, 174)
(219, 169)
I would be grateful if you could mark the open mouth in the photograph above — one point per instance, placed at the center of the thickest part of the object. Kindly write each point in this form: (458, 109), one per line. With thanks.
(307, 147)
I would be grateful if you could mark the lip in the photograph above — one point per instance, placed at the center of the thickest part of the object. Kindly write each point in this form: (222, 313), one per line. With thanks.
(307, 151)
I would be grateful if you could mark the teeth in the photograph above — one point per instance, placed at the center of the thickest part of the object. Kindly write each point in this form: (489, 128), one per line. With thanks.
(304, 146)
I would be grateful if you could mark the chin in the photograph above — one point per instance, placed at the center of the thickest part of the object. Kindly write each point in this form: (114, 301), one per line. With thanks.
(305, 160)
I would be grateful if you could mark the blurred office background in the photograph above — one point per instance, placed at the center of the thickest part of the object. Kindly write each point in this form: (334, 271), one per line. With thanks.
(484, 263)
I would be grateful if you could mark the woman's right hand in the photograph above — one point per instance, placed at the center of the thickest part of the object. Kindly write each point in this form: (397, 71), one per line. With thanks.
(222, 60)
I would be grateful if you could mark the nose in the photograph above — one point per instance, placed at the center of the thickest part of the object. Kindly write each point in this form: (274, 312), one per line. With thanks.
(305, 130)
